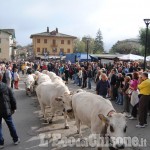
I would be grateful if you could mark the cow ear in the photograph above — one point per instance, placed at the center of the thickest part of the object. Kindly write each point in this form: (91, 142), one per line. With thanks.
(71, 93)
(58, 99)
(66, 93)
(124, 115)
(103, 118)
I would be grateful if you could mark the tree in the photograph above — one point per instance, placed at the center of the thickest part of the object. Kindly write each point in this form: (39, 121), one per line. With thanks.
(142, 35)
(90, 42)
(79, 45)
(127, 46)
(98, 43)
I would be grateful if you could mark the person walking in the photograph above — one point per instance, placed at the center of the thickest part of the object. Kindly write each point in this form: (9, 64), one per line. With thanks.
(16, 78)
(8, 76)
(144, 88)
(7, 108)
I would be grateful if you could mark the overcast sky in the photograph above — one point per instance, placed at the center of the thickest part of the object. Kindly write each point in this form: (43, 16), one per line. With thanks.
(117, 19)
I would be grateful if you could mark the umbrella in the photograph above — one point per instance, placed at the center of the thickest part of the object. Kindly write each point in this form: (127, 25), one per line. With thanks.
(131, 57)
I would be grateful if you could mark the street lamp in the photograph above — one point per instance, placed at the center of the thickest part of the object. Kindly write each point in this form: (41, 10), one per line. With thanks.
(87, 42)
(61, 54)
(147, 22)
(54, 51)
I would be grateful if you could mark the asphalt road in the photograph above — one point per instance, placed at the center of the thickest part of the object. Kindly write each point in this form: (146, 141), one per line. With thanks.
(36, 135)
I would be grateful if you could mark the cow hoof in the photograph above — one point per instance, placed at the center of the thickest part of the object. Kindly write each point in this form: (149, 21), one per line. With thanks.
(50, 121)
(45, 121)
(112, 148)
(66, 127)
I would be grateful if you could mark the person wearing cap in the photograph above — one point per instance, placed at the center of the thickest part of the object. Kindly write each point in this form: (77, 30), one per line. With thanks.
(144, 88)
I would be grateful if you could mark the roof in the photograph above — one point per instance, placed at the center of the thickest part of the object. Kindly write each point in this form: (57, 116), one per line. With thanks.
(106, 55)
(9, 31)
(53, 33)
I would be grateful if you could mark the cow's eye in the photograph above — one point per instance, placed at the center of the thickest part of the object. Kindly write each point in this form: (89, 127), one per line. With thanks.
(111, 128)
(125, 129)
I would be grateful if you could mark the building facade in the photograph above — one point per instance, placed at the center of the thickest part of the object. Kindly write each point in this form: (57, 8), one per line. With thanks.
(7, 44)
(52, 43)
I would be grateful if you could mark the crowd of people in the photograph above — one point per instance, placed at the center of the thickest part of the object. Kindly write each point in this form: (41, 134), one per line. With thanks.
(122, 82)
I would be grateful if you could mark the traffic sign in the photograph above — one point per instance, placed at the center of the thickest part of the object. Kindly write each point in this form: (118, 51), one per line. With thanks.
(78, 55)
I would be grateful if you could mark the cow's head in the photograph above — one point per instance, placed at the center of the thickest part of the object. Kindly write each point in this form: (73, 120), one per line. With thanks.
(115, 128)
(66, 98)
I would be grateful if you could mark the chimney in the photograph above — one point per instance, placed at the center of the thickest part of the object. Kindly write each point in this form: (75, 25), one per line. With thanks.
(47, 29)
(56, 30)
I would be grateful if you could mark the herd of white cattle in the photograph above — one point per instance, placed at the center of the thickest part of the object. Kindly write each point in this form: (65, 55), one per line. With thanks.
(85, 107)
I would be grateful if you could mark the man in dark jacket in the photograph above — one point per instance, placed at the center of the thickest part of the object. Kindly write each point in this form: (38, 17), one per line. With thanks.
(113, 85)
(7, 108)
(89, 77)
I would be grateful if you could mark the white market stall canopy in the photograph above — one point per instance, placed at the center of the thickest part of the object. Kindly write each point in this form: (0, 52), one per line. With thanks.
(148, 58)
(131, 57)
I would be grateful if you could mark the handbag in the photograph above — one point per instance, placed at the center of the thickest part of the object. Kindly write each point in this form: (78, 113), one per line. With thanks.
(128, 91)
(120, 90)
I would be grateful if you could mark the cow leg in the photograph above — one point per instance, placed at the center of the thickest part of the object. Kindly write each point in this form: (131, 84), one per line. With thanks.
(66, 122)
(78, 124)
(43, 111)
(112, 148)
(53, 113)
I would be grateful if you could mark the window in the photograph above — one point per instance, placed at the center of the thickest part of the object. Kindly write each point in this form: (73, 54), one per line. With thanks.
(68, 50)
(0, 50)
(62, 41)
(62, 50)
(38, 40)
(45, 40)
(54, 50)
(69, 42)
(38, 49)
(54, 42)
(44, 50)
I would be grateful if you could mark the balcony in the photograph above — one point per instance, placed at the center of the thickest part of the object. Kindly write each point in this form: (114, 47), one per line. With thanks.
(54, 45)
(13, 45)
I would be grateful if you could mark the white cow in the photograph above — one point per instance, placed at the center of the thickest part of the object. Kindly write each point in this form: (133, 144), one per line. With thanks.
(29, 84)
(41, 77)
(54, 77)
(47, 93)
(51, 74)
(98, 114)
